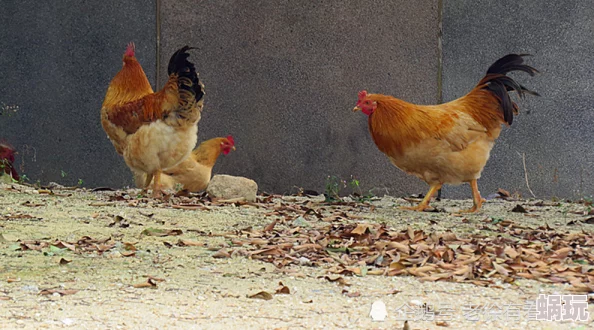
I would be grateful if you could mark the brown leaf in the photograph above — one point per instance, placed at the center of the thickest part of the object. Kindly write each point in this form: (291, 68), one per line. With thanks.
(362, 228)
(64, 261)
(128, 253)
(500, 269)
(64, 245)
(519, 209)
(221, 254)
(351, 294)
(129, 246)
(503, 193)
(442, 324)
(189, 242)
(261, 295)
(340, 280)
(161, 232)
(30, 204)
(270, 227)
(150, 283)
(282, 289)
(60, 292)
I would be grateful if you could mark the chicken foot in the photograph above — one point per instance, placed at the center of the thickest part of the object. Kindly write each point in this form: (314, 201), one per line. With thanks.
(424, 204)
(476, 198)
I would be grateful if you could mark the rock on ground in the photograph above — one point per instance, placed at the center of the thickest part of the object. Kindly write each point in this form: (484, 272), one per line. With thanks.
(228, 186)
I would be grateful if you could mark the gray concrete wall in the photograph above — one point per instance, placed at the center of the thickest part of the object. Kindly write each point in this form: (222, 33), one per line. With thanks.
(554, 131)
(56, 61)
(282, 77)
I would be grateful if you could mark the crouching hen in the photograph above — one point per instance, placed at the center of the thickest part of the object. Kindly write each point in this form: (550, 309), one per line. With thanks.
(448, 143)
(194, 173)
(153, 131)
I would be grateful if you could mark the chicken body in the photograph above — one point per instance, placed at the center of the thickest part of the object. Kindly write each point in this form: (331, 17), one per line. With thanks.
(194, 172)
(7, 163)
(153, 131)
(448, 143)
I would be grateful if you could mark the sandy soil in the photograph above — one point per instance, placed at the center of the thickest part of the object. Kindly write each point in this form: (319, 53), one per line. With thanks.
(102, 287)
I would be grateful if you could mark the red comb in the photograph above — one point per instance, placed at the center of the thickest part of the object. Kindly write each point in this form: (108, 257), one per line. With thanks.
(362, 94)
(230, 138)
(130, 49)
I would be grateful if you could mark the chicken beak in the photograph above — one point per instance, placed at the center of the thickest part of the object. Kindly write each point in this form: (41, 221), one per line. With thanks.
(233, 148)
(355, 109)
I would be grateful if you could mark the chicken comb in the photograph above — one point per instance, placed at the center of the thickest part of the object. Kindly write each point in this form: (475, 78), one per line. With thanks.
(230, 138)
(130, 49)
(362, 95)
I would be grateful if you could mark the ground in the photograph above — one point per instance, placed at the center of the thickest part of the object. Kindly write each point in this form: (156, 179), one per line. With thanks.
(113, 259)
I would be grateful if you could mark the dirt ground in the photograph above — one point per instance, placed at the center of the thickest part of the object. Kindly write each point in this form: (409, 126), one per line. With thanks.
(89, 260)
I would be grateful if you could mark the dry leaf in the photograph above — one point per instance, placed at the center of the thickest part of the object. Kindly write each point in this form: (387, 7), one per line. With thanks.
(150, 283)
(60, 292)
(261, 295)
(282, 289)
(64, 261)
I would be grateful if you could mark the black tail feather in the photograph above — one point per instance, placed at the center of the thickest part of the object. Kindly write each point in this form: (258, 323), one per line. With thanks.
(180, 65)
(499, 84)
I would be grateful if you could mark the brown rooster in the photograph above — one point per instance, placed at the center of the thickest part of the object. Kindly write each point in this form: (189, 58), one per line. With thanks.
(194, 173)
(448, 143)
(153, 131)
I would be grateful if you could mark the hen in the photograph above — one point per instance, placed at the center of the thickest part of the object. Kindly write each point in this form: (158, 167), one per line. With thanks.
(448, 143)
(194, 173)
(153, 131)
(7, 162)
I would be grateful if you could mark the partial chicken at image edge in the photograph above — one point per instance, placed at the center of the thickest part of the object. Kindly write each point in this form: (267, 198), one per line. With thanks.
(448, 143)
(153, 131)
(7, 162)
(193, 173)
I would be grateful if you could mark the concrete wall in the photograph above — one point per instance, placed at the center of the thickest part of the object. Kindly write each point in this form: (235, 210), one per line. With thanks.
(56, 61)
(555, 130)
(283, 76)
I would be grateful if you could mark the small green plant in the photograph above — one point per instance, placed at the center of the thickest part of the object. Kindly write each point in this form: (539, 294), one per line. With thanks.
(63, 174)
(24, 178)
(80, 182)
(333, 186)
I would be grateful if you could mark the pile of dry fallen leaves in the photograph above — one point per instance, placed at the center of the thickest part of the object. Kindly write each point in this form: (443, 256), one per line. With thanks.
(374, 249)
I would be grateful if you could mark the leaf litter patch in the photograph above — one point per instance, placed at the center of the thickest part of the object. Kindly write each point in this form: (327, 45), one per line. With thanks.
(540, 254)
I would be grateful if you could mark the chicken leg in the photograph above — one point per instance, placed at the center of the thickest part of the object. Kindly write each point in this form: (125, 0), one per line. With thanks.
(157, 192)
(476, 198)
(424, 204)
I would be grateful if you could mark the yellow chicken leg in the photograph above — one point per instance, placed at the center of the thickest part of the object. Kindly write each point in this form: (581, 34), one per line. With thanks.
(147, 183)
(424, 204)
(476, 198)
(157, 193)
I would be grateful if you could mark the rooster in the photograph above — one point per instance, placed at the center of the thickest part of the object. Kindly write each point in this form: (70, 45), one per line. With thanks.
(448, 143)
(7, 162)
(153, 131)
(193, 173)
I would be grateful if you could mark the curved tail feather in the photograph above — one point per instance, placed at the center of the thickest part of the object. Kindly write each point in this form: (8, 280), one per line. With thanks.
(499, 84)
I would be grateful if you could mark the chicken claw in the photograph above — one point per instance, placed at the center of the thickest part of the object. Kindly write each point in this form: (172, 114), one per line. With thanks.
(476, 198)
(424, 204)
